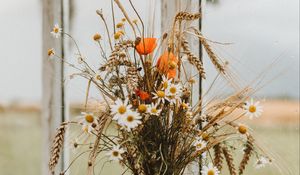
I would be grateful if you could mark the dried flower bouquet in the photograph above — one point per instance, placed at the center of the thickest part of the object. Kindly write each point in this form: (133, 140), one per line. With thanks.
(148, 100)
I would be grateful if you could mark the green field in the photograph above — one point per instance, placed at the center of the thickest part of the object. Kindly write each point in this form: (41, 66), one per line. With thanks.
(20, 147)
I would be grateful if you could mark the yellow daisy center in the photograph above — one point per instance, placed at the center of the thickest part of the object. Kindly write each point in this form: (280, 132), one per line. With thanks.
(142, 108)
(160, 94)
(130, 118)
(242, 129)
(199, 145)
(89, 118)
(122, 109)
(115, 153)
(55, 30)
(211, 172)
(252, 108)
(154, 110)
(165, 85)
(173, 90)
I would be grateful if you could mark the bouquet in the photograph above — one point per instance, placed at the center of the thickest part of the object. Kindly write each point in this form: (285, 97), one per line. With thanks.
(147, 98)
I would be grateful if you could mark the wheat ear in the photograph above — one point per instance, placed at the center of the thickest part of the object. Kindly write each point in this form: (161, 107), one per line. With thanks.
(247, 154)
(213, 57)
(218, 160)
(57, 147)
(187, 16)
(117, 57)
(132, 78)
(229, 160)
(193, 60)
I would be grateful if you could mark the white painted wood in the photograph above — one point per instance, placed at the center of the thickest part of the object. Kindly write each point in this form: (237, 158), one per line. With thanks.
(168, 10)
(53, 109)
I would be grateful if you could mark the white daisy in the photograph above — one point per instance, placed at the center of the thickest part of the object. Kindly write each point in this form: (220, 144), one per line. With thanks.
(210, 170)
(166, 82)
(120, 108)
(253, 109)
(115, 154)
(174, 90)
(199, 144)
(153, 109)
(88, 121)
(56, 31)
(160, 96)
(130, 121)
(262, 162)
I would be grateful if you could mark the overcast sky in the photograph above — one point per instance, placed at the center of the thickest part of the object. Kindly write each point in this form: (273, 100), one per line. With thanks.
(262, 30)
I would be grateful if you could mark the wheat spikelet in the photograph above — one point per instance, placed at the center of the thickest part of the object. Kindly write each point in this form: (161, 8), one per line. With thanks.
(117, 57)
(193, 60)
(247, 154)
(229, 160)
(187, 16)
(114, 62)
(218, 160)
(214, 59)
(57, 147)
(132, 78)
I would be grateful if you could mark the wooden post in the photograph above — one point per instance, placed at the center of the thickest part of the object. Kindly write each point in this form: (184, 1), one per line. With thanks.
(53, 101)
(200, 78)
(168, 11)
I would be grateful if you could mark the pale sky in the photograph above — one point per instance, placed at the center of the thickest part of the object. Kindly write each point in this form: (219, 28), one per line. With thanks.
(261, 30)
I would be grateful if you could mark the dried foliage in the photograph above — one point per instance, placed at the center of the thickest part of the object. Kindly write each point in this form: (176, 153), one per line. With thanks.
(148, 101)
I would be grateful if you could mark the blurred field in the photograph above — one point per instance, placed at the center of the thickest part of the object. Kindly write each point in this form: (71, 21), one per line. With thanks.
(277, 131)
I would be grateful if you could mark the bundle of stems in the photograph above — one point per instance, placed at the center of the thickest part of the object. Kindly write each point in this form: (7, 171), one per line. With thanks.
(147, 99)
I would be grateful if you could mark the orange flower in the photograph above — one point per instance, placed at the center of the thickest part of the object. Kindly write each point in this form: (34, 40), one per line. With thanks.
(146, 46)
(167, 64)
(142, 94)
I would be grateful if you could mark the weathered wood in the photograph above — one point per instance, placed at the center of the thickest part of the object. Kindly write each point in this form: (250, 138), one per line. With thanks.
(168, 11)
(53, 104)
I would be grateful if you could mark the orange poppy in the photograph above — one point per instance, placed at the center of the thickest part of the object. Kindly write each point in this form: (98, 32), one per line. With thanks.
(142, 94)
(146, 46)
(167, 64)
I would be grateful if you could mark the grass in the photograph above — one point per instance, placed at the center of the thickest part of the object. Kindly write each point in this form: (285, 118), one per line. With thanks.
(20, 147)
